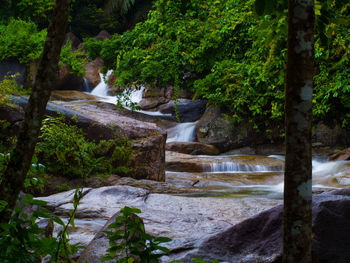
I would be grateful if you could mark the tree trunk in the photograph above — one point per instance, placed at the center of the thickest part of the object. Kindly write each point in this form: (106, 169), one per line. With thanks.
(297, 224)
(21, 158)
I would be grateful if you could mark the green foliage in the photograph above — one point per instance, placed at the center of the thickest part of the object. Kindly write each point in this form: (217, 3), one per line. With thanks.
(63, 149)
(22, 241)
(21, 40)
(75, 60)
(129, 242)
(223, 52)
(34, 10)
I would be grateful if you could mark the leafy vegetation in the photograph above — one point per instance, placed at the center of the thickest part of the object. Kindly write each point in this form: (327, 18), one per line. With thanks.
(63, 149)
(23, 241)
(221, 51)
(75, 60)
(130, 243)
(8, 88)
(21, 40)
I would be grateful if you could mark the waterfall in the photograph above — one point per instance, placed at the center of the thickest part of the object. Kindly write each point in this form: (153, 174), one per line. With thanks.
(101, 90)
(182, 132)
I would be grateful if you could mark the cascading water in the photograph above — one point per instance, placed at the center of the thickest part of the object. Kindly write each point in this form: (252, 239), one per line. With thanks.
(232, 167)
(182, 132)
(101, 90)
(86, 85)
(134, 96)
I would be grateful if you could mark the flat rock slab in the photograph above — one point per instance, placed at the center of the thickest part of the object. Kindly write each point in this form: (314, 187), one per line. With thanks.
(193, 148)
(186, 220)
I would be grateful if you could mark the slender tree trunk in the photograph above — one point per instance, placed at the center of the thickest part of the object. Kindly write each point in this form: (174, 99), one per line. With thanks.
(16, 171)
(297, 224)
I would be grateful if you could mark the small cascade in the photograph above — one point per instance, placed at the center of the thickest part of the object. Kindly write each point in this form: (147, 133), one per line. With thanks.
(232, 167)
(86, 85)
(101, 90)
(331, 173)
(136, 95)
(182, 132)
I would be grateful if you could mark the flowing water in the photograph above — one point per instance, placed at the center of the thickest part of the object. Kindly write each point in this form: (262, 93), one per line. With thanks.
(182, 132)
(233, 176)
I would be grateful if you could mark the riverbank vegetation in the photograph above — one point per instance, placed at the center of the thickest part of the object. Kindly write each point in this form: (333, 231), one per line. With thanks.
(219, 50)
(223, 52)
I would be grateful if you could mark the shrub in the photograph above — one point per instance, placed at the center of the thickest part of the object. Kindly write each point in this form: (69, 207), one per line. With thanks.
(21, 40)
(22, 241)
(76, 60)
(63, 149)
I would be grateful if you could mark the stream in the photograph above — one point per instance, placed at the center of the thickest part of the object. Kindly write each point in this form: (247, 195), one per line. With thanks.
(208, 193)
(232, 176)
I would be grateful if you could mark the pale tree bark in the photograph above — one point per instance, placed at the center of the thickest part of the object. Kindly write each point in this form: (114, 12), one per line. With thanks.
(16, 171)
(297, 224)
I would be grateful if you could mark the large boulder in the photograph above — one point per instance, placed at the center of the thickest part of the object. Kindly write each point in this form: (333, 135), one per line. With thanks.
(213, 128)
(92, 73)
(259, 239)
(67, 80)
(194, 148)
(103, 121)
(327, 135)
(340, 156)
(102, 35)
(184, 219)
(153, 97)
(70, 95)
(188, 110)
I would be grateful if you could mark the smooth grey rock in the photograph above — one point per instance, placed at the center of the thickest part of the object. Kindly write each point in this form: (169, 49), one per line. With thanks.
(186, 220)
(188, 110)
(260, 237)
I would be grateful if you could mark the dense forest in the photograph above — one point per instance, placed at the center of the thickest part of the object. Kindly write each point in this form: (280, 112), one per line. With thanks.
(219, 50)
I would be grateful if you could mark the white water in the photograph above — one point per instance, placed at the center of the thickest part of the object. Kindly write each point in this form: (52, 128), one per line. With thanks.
(182, 132)
(134, 96)
(232, 167)
(101, 90)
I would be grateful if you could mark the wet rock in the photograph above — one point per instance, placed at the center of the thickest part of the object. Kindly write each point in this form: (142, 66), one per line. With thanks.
(92, 73)
(340, 156)
(184, 219)
(188, 110)
(150, 103)
(67, 80)
(260, 237)
(182, 162)
(330, 136)
(193, 148)
(70, 95)
(213, 128)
